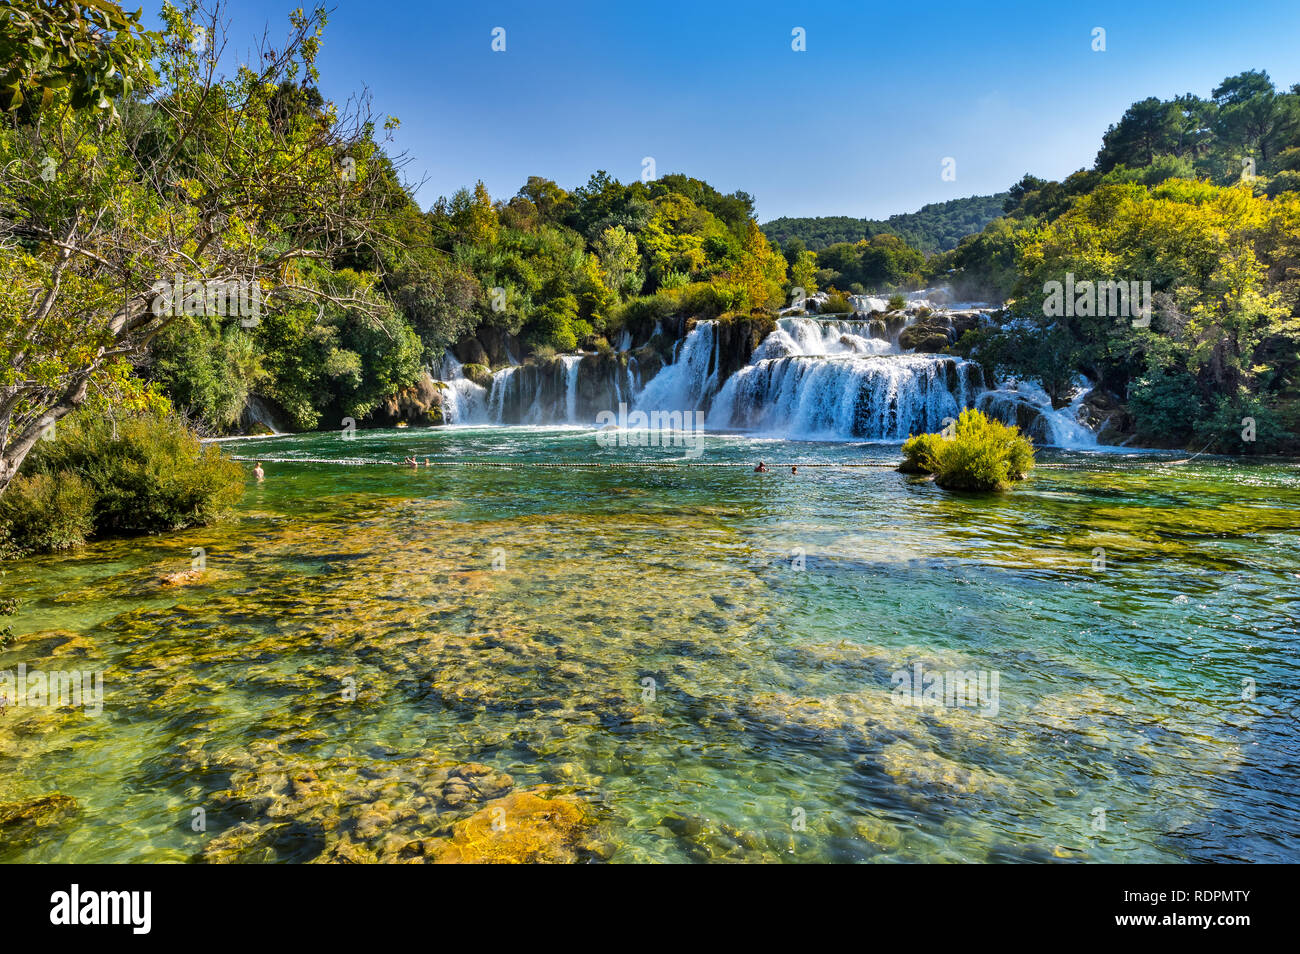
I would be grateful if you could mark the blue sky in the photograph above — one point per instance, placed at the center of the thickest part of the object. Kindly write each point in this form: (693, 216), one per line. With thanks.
(859, 124)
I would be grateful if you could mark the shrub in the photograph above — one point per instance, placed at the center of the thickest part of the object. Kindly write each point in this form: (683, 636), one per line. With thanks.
(920, 454)
(835, 304)
(981, 454)
(147, 471)
(47, 512)
(1167, 404)
(8, 604)
(1225, 430)
(897, 302)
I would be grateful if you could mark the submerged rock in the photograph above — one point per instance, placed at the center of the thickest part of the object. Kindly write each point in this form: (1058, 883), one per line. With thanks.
(19, 818)
(531, 826)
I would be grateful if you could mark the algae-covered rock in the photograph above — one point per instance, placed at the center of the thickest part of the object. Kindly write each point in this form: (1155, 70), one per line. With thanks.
(530, 826)
(17, 818)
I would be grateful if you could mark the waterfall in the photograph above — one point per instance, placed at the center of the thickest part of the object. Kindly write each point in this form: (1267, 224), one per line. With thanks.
(1026, 405)
(810, 336)
(463, 401)
(690, 382)
(572, 362)
(848, 397)
(257, 412)
(809, 379)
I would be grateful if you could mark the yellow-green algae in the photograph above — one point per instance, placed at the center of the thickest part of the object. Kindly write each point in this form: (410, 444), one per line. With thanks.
(564, 667)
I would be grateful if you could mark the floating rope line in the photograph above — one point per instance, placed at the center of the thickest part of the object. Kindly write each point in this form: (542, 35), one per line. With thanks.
(1100, 465)
(667, 464)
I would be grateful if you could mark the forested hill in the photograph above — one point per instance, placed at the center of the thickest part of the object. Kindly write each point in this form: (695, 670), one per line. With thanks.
(936, 227)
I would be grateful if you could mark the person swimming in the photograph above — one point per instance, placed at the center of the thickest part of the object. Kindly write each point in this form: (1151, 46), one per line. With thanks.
(761, 468)
(412, 461)
(794, 470)
(258, 472)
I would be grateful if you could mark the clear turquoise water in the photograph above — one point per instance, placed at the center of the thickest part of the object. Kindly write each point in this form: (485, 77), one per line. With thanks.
(771, 735)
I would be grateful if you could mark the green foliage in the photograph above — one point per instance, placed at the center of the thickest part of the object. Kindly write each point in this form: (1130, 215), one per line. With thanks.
(208, 369)
(147, 472)
(936, 227)
(877, 264)
(1225, 429)
(1167, 404)
(93, 51)
(835, 304)
(47, 512)
(8, 604)
(1172, 202)
(981, 454)
(325, 363)
(920, 454)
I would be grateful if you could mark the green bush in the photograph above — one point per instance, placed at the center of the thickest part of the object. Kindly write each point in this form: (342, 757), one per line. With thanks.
(897, 302)
(981, 454)
(47, 512)
(834, 305)
(1167, 404)
(920, 454)
(147, 472)
(8, 604)
(1225, 430)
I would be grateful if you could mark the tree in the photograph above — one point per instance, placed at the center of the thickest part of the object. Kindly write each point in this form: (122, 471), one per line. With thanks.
(803, 272)
(473, 218)
(91, 52)
(1147, 129)
(202, 178)
(620, 261)
(1253, 118)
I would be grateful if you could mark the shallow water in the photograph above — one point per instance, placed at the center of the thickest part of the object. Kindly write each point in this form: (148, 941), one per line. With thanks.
(700, 659)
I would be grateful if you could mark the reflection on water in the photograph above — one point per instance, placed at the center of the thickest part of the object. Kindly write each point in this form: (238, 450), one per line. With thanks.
(452, 664)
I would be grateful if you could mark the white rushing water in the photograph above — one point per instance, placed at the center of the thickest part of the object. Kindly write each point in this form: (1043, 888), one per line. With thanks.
(463, 401)
(813, 337)
(862, 397)
(810, 379)
(1027, 404)
(691, 380)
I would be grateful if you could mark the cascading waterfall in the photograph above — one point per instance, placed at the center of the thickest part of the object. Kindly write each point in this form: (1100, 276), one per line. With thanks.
(463, 401)
(572, 362)
(1027, 405)
(812, 337)
(850, 397)
(810, 378)
(690, 382)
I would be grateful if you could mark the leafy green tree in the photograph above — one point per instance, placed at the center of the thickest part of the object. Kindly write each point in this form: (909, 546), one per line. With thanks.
(620, 261)
(205, 176)
(92, 52)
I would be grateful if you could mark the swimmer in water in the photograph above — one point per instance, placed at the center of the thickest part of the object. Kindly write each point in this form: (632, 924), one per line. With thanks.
(794, 470)
(761, 468)
(257, 470)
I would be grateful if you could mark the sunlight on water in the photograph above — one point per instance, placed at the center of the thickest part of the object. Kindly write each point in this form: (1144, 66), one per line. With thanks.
(692, 664)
